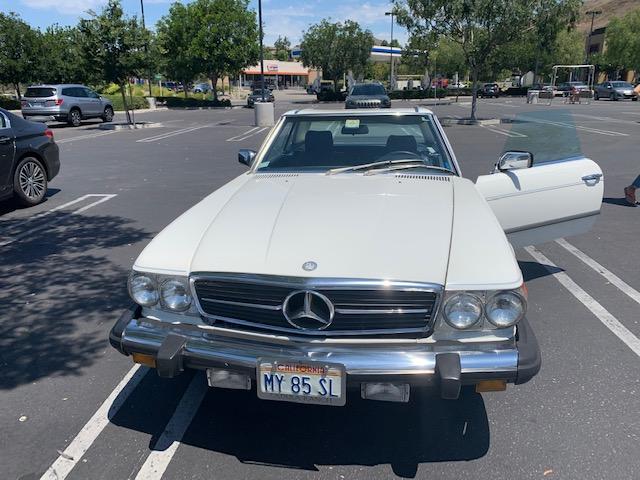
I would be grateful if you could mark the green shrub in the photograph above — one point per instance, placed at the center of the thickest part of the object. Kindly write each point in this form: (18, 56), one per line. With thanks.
(9, 103)
(181, 102)
(136, 103)
(111, 89)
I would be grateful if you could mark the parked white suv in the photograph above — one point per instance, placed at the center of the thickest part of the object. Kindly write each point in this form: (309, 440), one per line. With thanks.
(65, 103)
(354, 254)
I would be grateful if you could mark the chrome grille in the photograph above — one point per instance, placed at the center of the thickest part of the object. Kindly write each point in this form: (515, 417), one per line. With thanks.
(361, 307)
(368, 103)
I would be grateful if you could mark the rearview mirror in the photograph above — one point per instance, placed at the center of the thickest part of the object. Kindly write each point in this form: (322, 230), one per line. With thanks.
(514, 160)
(246, 156)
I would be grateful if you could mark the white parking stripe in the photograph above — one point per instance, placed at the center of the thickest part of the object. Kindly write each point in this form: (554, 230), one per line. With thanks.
(608, 320)
(162, 136)
(236, 137)
(506, 133)
(85, 438)
(166, 446)
(239, 139)
(84, 137)
(105, 196)
(612, 277)
(572, 126)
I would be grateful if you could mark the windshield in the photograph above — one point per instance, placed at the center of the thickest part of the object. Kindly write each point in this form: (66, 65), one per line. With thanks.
(368, 90)
(621, 84)
(259, 92)
(323, 142)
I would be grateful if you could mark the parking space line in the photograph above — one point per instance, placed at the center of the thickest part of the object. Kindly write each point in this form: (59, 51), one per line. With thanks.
(607, 319)
(104, 197)
(507, 133)
(572, 126)
(180, 131)
(96, 424)
(247, 134)
(166, 446)
(623, 286)
(84, 137)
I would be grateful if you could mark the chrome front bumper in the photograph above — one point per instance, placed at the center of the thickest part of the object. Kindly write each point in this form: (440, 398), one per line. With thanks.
(446, 365)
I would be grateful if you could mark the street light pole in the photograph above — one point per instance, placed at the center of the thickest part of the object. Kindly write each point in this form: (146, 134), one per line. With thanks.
(593, 14)
(146, 49)
(261, 50)
(391, 52)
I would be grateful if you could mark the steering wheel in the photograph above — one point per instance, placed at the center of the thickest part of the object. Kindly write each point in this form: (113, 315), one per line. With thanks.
(399, 155)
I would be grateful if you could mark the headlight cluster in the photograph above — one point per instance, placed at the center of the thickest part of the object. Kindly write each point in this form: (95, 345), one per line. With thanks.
(502, 309)
(171, 293)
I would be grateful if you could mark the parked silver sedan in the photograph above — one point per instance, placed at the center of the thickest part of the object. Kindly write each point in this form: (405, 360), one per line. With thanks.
(615, 90)
(65, 103)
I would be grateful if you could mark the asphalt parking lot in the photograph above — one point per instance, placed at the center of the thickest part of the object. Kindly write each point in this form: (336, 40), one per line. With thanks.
(71, 403)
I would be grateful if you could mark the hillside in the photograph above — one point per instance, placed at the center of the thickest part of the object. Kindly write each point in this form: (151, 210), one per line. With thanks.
(610, 9)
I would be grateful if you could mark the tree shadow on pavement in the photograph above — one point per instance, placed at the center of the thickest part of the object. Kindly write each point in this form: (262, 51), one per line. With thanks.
(57, 289)
(11, 204)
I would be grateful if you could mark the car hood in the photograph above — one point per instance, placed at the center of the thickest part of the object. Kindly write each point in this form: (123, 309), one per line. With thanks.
(350, 225)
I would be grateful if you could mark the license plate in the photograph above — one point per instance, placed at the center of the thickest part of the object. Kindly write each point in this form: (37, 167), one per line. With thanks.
(37, 104)
(303, 382)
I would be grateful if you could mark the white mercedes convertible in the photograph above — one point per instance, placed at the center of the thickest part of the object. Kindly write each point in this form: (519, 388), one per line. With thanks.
(353, 258)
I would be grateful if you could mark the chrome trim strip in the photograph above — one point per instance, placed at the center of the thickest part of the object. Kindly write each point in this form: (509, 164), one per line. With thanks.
(381, 311)
(310, 283)
(243, 304)
(552, 222)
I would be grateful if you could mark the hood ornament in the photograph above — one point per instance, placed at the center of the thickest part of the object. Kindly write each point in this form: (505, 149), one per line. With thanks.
(309, 266)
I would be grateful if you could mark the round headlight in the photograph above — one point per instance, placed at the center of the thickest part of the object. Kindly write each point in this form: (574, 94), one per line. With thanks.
(463, 310)
(143, 290)
(505, 309)
(175, 295)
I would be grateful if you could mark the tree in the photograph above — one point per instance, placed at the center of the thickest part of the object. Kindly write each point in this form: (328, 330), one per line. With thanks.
(113, 46)
(226, 38)
(623, 43)
(59, 56)
(176, 32)
(480, 27)
(336, 48)
(282, 46)
(18, 51)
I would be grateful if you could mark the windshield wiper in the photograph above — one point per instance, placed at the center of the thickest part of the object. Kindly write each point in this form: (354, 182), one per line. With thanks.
(406, 167)
(368, 166)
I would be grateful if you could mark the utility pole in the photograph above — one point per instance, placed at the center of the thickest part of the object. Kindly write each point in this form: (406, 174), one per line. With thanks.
(593, 14)
(146, 50)
(390, 54)
(261, 49)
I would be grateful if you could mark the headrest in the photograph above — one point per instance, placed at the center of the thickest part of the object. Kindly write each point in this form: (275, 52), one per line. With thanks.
(402, 142)
(317, 141)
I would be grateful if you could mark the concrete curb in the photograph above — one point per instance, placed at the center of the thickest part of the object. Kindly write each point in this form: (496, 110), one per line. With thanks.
(126, 126)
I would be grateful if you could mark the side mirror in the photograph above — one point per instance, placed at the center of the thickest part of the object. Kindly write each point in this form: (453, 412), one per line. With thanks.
(514, 160)
(246, 156)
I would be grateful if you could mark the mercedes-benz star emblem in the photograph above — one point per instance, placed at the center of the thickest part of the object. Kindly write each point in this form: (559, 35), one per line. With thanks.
(309, 266)
(308, 310)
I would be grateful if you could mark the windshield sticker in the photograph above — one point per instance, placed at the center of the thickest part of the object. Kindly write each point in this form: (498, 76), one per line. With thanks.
(352, 123)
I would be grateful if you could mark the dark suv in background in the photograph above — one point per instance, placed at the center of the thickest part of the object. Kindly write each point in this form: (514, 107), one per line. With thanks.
(65, 103)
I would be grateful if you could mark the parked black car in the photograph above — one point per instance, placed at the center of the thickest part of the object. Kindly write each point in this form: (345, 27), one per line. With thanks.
(256, 96)
(367, 95)
(29, 158)
(489, 90)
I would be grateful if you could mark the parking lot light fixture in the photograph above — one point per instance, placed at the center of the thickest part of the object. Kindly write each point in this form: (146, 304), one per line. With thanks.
(261, 49)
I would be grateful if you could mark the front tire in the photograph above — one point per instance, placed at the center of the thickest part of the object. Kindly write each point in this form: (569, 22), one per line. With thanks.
(75, 117)
(613, 97)
(595, 96)
(107, 116)
(30, 181)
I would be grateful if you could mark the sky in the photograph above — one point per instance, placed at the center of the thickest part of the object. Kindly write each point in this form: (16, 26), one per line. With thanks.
(281, 17)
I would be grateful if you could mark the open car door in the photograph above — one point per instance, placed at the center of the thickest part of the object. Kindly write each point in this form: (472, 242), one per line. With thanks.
(539, 203)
